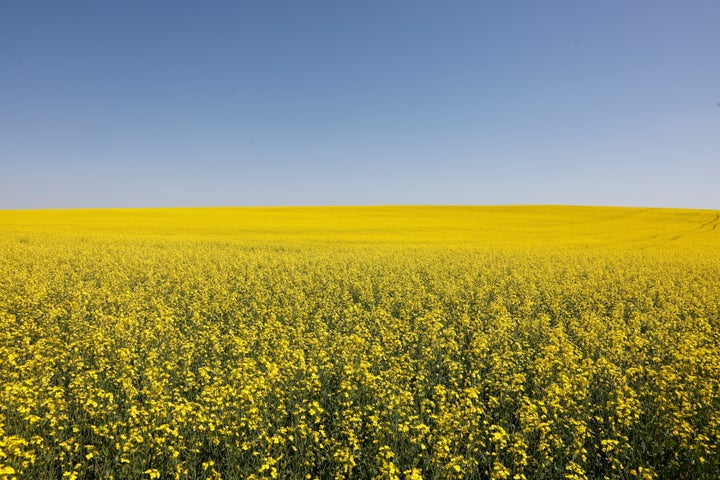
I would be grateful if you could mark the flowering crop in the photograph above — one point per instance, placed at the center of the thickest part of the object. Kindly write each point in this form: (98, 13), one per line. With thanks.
(363, 342)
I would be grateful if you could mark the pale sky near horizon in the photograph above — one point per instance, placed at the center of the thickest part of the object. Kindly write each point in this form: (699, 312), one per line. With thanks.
(188, 103)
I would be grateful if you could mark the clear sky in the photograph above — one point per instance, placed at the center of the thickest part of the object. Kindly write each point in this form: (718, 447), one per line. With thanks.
(194, 103)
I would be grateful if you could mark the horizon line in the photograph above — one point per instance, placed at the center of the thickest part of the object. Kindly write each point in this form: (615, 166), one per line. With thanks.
(379, 205)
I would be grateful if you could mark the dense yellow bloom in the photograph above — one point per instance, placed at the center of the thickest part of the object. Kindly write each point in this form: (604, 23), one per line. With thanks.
(363, 342)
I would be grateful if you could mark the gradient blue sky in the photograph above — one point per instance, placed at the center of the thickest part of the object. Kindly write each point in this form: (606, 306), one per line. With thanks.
(179, 103)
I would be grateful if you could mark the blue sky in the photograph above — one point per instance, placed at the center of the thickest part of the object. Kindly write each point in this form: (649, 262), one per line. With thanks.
(178, 103)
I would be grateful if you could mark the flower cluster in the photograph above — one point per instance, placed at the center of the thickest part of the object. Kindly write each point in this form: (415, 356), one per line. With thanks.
(395, 343)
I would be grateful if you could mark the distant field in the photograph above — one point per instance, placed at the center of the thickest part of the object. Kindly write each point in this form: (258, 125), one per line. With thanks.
(472, 227)
(520, 342)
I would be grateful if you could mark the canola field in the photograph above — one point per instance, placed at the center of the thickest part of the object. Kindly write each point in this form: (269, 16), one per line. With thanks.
(360, 342)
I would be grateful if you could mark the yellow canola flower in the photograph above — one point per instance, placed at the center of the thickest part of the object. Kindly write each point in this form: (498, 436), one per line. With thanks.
(360, 342)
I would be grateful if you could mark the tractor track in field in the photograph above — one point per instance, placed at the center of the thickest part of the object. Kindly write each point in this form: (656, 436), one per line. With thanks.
(714, 222)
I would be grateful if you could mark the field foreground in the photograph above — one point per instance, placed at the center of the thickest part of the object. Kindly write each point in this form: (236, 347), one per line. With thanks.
(360, 342)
